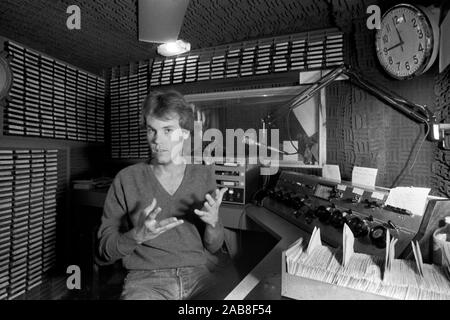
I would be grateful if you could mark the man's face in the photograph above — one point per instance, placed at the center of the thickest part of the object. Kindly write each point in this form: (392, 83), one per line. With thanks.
(165, 138)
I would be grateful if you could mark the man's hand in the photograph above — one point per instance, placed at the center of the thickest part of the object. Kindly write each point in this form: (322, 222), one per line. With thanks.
(210, 211)
(148, 227)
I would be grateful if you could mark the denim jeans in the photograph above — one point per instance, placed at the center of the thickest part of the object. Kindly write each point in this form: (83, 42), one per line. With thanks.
(167, 284)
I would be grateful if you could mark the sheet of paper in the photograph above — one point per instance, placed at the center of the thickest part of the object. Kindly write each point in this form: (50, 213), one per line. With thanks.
(446, 256)
(419, 253)
(444, 47)
(331, 171)
(296, 261)
(348, 245)
(386, 256)
(307, 115)
(294, 246)
(391, 252)
(410, 198)
(310, 244)
(291, 259)
(364, 176)
(288, 147)
(291, 254)
(315, 240)
(417, 257)
(378, 195)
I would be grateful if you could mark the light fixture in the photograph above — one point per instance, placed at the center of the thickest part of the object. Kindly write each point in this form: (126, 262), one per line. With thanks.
(174, 48)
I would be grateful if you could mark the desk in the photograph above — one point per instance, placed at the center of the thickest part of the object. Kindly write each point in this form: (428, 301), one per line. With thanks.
(264, 281)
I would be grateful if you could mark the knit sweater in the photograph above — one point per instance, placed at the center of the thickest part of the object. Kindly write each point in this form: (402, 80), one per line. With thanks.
(132, 190)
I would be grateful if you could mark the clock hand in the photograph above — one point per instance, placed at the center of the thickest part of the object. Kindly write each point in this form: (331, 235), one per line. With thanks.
(395, 46)
(399, 37)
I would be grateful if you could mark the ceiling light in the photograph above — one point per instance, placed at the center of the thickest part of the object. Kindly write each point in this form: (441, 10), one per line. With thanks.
(173, 48)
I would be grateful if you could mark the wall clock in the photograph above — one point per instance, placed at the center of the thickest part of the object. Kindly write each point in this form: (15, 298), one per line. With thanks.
(407, 43)
(5, 76)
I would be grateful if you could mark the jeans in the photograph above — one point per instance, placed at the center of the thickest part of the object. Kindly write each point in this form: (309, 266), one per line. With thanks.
(167, 284)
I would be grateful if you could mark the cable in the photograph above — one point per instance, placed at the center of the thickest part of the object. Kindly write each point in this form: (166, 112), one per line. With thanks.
(402, 172)
(288, 127)
(420, 147)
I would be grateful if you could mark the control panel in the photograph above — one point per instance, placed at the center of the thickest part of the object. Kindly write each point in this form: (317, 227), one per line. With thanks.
(311, 201)
(241, 180)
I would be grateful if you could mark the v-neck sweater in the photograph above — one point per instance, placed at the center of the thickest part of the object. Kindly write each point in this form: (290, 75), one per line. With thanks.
(132, 190)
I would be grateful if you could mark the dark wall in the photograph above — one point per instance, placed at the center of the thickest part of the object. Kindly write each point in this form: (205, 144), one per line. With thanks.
(362, 130)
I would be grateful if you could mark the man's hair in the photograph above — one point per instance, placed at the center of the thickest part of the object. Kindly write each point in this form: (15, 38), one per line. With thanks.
(166, 105)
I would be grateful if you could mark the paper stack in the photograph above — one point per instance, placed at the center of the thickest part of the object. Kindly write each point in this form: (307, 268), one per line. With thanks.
(389, 277)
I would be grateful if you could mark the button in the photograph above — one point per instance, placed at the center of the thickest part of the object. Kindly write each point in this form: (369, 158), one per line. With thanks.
(359, 227)
(378, 236)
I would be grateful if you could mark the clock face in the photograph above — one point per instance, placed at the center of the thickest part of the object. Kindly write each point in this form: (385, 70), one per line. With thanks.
(404, 42)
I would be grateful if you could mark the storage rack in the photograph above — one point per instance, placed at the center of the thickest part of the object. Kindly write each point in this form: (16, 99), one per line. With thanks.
(51, 99)
(28, 192)
(128, 139)
(321, 49)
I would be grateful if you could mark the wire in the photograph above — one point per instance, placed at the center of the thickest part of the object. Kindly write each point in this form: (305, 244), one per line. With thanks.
(400, 175)
(420, 147)
(288, 127)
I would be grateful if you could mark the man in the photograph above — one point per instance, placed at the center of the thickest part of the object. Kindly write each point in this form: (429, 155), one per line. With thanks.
(161, 216)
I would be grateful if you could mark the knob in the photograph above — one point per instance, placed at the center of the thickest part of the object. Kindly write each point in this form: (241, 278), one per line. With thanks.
(336, 194)
(356, 198)
(295, 201)
(286, 197)
(337, 219)
(278, 194)
(299, 202)
(359, 227)
(303, 210)
(271, 193)
(323, 214)
(309, 216)
(378, 236)
(371, 204)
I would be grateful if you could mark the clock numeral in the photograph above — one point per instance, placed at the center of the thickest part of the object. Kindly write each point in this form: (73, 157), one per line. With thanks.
(420, 34)
(385, 38)
(385, 51)
(414, 22)
(388, 28)
(416, 60)
(398, 65)
(420, 47)
(407, 66)
(398, 20)
(390, 60)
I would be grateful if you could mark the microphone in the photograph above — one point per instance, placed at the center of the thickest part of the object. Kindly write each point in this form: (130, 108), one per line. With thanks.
(250, 142)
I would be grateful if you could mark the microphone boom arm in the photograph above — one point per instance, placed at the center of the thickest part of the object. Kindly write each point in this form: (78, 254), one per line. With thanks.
(418, 112)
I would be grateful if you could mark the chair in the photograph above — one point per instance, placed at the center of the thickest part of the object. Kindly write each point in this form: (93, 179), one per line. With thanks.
(107, 277)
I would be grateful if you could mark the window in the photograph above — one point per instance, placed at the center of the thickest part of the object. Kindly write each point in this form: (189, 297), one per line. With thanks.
(296, 138)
